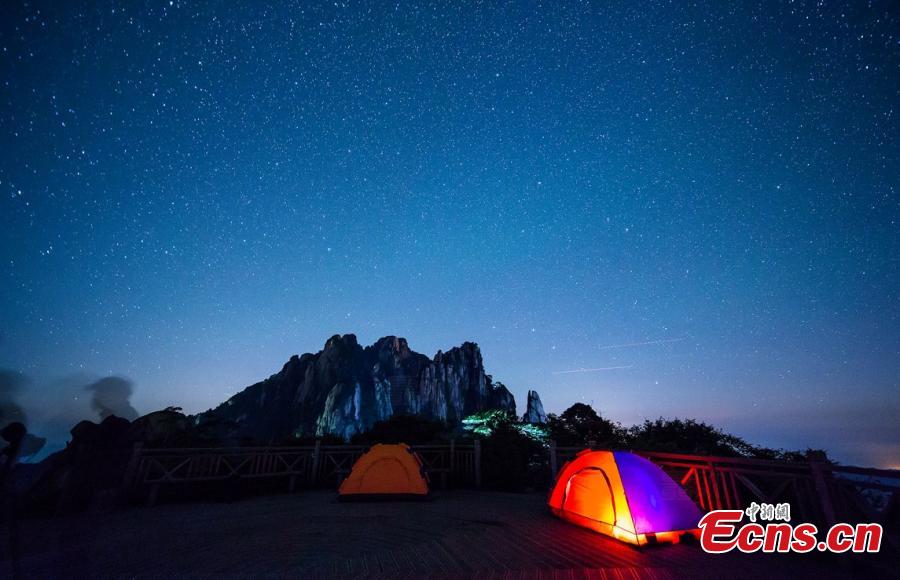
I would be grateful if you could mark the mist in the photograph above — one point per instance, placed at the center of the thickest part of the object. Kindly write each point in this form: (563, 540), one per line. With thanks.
(112, 396)
(12, 384)
(51, 407)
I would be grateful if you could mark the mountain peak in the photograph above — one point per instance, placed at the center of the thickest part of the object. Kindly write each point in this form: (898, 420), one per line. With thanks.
(345, 388)
(396, 344)
(338, 340)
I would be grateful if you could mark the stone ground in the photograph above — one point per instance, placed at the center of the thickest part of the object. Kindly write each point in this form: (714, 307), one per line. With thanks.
(454, 535)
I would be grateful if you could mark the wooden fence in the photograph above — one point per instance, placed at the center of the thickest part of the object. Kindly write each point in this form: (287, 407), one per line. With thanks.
(817, 491)
(312, 466)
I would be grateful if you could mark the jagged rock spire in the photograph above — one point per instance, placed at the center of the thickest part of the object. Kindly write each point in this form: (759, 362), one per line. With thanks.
(534, 412)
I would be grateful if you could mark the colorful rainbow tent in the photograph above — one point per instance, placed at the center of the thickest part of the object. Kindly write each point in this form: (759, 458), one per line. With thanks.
(385, 470)
(625, 496)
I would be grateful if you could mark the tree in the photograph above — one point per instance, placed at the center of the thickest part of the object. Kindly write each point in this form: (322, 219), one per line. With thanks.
(687, 436)
(512, 460)
(486, 422)
(580, 424)
(696, 437)
(403, 429)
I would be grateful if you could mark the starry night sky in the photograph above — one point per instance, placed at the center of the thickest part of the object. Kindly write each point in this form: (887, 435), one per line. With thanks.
(693, 205)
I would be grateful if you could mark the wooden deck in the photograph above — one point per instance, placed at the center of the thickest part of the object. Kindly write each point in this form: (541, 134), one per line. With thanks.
(454, 535)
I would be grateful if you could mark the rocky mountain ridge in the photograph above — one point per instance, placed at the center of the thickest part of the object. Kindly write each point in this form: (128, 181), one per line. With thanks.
(345, 388)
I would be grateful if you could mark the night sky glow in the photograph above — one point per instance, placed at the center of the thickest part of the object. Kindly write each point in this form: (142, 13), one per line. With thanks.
(692, 205)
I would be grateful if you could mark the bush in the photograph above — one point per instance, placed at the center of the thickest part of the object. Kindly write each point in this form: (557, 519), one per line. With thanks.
(507, 459)
(698, 438)
(403, 429)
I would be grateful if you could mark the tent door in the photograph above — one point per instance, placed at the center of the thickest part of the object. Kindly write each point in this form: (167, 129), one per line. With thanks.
(589, 494)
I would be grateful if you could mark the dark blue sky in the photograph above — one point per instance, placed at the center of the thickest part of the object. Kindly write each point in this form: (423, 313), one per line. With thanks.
(698, 200)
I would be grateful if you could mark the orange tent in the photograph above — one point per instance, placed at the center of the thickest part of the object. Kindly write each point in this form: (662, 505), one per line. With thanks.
(386, 470)
(623, 495)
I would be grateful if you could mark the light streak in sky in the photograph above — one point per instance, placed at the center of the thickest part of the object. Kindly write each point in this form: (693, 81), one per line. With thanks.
(645, 343)
(596, 370)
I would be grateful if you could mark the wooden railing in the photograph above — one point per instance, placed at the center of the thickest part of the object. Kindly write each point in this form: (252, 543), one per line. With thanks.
(311, 466)
(817, 491)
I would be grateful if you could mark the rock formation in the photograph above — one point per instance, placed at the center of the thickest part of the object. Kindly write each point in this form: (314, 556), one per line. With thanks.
(534, 412)
(346, 388)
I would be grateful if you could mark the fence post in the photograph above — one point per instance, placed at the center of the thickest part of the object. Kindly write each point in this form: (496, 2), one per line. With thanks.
(477, 447)
(553, 461)
(452, 459)
(817, 469)
(716, 496)
(130, 475)
(314, 471)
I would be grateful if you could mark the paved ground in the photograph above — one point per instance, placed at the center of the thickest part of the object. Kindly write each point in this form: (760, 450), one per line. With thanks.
(455, 534)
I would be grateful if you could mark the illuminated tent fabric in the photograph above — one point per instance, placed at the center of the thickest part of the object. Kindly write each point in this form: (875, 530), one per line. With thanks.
(623, 495)
(385, 470)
